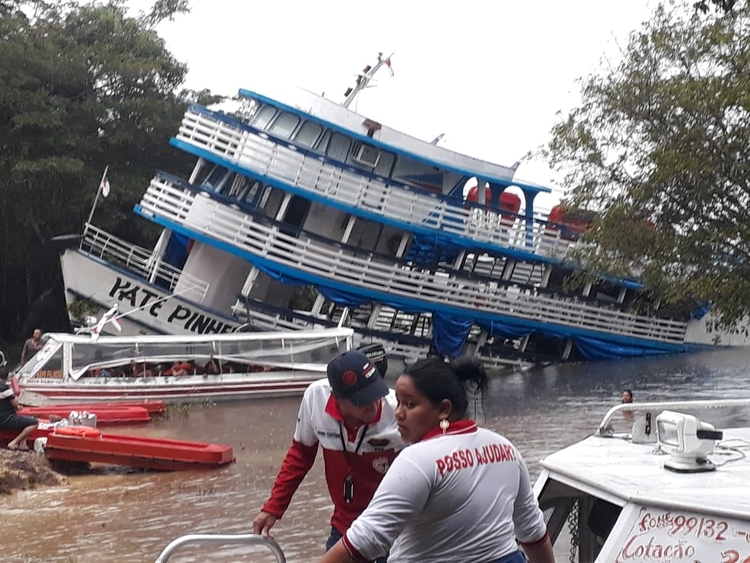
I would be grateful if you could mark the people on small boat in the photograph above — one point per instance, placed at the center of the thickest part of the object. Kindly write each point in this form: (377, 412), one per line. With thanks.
(351, 414)
(177, 368)
(212, 367)
(180, 368)
(627, 396)
(9, 417)
(31, 346)
(141, 369)
(458, 492)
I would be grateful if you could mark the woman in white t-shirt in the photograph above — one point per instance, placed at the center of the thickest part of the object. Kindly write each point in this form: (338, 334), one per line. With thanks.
(457, 492)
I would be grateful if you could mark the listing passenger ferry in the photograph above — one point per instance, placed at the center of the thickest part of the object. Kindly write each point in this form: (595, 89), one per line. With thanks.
(300, 213)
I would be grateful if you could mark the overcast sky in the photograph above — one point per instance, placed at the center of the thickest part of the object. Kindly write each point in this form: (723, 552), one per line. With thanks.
(489, 74)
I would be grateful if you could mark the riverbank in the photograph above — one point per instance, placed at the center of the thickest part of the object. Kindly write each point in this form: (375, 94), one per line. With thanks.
(22, 470)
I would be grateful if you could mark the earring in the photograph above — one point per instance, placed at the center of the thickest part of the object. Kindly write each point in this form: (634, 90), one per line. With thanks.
(444, 424)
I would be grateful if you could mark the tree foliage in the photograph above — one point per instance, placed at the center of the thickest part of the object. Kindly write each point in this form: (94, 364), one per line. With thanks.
(82, 86)
(659, 145)
(723, 5)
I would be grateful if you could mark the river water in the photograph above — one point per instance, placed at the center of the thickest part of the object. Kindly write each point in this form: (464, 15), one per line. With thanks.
(131, 517)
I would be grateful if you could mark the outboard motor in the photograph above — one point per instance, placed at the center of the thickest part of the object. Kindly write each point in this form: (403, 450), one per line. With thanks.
(376, 353)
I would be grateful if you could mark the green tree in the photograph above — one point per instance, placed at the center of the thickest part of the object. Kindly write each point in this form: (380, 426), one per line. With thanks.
(82, 87)
(659, 145)
(724, 5)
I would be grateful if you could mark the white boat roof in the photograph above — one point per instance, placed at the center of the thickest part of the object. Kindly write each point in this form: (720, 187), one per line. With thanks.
(618, 470)
(339, 116)
(85, 338)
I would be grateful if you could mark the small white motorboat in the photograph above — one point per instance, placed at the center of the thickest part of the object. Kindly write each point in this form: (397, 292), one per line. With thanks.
(672, 487)
(175, 368)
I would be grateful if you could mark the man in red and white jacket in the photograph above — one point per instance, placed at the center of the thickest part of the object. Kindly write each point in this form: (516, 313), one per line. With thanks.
(351, 415)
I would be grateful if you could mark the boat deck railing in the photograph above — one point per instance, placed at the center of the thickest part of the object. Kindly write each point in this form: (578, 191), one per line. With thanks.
(212, 218)
(310, 173)
(223, 539)
(141, 261)
(715, 405)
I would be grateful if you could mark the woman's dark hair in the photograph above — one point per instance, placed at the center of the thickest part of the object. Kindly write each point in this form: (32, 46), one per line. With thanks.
(438, 380)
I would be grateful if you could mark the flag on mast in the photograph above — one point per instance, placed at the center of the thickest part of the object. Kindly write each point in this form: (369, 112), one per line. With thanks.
(388, 64)
(104, 186)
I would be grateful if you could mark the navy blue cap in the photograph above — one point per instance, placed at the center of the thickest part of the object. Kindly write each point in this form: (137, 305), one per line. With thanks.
(354, 377)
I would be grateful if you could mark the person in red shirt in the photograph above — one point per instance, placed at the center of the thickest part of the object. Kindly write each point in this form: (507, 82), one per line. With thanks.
(351, 415)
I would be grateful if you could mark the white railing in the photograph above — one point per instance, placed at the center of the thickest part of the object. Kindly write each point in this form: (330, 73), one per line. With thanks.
(232, 226)
(407, 352)
(99, 243)
(260, 154)
(249, 540)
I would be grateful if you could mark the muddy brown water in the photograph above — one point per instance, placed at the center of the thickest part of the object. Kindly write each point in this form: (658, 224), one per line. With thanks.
(131, 516)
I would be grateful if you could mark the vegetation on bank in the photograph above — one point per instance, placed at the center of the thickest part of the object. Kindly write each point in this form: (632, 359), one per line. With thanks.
(658, 147)
(82, 87)
(659, 139)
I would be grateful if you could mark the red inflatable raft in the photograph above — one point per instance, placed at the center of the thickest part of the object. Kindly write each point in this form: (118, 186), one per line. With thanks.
(105, 415)
(86, 444)
(153, 407)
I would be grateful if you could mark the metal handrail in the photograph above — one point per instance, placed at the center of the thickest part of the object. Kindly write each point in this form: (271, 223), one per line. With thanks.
(223, 223)
(100, 243)
(249, 539)
(263, 154)
(603, 428)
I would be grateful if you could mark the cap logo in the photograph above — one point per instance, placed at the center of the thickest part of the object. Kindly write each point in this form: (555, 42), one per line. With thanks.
(367, 370)
(349, 378)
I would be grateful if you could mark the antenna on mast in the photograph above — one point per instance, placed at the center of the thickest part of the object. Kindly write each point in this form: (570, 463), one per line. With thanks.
(363, 79)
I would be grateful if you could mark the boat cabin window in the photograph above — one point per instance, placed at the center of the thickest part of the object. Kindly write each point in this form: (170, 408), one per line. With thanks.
(238, 185)
(263, 117)
(322, 145)
(251, 193)
(216, 178)
(308, 134)
(296, 213)
(46, 364)
(338, 148)
(284, 125)
(418, 174)
(385, 164)
(365, 155)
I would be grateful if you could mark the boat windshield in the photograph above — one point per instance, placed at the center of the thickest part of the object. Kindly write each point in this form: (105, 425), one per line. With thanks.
(46, 363)
(270, 353)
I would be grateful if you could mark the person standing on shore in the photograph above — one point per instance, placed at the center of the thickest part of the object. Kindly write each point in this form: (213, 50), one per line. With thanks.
(31, 346)
(351, 415)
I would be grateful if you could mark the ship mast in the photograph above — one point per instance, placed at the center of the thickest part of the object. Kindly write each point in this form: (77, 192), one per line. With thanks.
(363, 79)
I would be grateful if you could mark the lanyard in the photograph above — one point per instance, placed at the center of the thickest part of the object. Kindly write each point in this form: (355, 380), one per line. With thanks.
(357, 447)
(349, 481)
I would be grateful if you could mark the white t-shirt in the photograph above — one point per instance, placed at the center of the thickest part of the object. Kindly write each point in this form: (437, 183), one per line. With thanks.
(461, 496)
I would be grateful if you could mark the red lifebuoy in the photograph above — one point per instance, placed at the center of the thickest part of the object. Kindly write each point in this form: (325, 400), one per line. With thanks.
(78, 431)
(14, 384)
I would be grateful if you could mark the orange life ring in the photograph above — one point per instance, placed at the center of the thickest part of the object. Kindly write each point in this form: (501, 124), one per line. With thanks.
(78, 431)
(14, 385)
